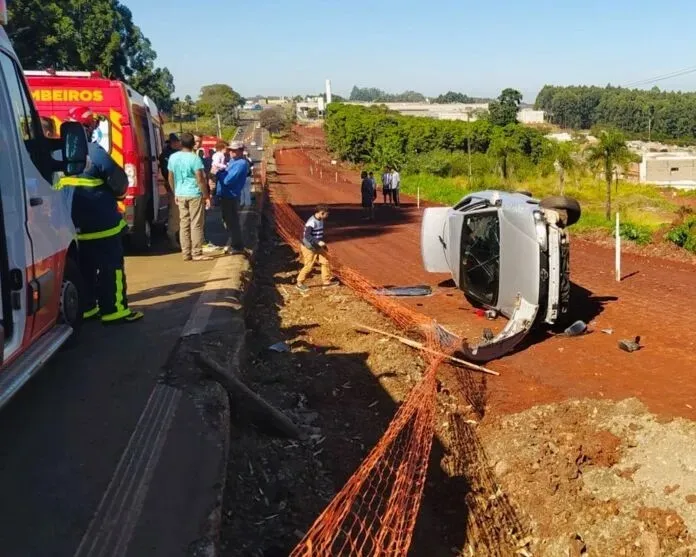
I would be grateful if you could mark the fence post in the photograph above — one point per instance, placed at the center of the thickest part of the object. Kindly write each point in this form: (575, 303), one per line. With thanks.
(617, 263)
(418, 197)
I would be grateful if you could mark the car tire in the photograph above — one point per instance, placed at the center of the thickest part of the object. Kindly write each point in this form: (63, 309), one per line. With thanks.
(71, 306)
(569, 208)
(140, 239)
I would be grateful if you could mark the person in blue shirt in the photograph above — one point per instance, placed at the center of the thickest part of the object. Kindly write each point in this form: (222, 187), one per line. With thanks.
(230, 184)
(99, 226)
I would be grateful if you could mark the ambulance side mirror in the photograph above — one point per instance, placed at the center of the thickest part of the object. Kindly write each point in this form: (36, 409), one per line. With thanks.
(74, 147)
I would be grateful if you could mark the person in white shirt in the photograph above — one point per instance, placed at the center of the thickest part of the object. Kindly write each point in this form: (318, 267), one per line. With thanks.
(395, 185)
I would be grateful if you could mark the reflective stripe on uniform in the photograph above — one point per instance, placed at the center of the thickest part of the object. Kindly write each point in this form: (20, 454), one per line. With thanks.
(119, 291)
(76, 182)
(91, 313)
(119, 301)
(116, 316)
(108, 233)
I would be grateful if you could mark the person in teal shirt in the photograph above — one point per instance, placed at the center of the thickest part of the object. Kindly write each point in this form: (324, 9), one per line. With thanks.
(186, 173)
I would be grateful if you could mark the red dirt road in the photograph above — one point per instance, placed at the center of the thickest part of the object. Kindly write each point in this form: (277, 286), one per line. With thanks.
(656, 300)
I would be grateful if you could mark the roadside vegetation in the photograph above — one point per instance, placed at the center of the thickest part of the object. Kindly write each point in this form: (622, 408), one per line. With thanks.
(444, 160)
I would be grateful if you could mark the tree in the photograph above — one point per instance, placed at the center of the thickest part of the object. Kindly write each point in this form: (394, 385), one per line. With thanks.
(609, 153)
(98, 35)
(502, 149)
(504, 110)
(564, 161)
(273, 119)
(219, 99)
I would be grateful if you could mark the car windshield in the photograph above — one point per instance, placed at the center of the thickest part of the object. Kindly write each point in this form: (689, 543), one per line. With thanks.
(480, 256)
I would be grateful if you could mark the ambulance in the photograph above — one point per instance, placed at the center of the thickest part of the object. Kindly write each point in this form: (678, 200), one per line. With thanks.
(130, 130)
(40, 283)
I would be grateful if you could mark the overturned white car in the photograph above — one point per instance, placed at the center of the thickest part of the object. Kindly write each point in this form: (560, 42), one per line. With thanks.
(508, 253)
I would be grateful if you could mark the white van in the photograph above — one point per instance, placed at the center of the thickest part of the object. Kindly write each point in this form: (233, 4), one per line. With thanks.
(40, 282)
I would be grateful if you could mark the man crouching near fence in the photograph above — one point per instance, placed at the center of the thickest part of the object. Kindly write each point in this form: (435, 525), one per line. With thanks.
(313, 249)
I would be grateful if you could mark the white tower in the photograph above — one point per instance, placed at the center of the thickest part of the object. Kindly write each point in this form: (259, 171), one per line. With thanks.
(328, 91)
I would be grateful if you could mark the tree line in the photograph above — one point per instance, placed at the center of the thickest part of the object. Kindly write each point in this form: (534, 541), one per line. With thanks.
(655, 114)
(216, 99)
(373, 94)
(98, 35)
(489, 150)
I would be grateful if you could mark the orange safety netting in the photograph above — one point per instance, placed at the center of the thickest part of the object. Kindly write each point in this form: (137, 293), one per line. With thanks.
(374, 513)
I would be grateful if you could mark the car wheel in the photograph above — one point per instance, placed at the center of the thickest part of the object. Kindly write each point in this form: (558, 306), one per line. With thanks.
(71, 305)
(141, 237)
(568, 207)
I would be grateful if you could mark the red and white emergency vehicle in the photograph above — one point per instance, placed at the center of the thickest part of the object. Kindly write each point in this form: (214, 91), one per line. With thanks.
(130, 130)
(40, 283)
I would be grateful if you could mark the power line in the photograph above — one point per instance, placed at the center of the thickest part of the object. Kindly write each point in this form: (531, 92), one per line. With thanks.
(662, 77)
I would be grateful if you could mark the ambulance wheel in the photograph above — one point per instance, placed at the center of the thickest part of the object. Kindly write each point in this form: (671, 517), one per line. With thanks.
(70, 308)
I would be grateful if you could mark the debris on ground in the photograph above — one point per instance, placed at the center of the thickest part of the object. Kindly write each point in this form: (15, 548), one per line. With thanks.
(576, 329)
(630, 345)
(279, 347)
(405, 291)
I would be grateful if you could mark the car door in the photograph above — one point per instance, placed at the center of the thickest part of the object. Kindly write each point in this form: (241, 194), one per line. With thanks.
(45, 217)
(15, 251)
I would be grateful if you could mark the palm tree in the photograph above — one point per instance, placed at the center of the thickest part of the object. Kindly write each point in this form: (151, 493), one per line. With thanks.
(564, 161)
(608, 153)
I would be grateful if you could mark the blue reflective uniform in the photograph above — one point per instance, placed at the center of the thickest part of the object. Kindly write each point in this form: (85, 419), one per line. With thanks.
(99, 226)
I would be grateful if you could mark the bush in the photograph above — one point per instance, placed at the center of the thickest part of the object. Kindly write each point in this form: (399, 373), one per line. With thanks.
(637, 233)
(684, 235)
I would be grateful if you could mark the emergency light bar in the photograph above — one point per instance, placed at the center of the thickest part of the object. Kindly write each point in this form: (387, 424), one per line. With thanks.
(54, 73)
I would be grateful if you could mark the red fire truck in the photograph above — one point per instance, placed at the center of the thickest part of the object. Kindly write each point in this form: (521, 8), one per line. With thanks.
(130, 130)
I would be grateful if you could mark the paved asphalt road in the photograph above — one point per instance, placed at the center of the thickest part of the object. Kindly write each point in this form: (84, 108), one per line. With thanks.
(63, 434)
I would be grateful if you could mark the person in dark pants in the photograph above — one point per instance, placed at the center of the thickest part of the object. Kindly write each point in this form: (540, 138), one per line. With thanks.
(367, 194)
(172, 145)
(386, 185)
(230, 184)
(99, 227)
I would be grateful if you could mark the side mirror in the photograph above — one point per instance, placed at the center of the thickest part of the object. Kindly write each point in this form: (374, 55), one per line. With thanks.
(74, 146)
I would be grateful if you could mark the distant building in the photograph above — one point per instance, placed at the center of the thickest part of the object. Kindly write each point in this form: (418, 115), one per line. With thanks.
(530, 116)
(675, 169)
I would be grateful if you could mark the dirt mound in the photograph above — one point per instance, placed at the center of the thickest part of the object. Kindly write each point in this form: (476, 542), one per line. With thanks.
(610, 473)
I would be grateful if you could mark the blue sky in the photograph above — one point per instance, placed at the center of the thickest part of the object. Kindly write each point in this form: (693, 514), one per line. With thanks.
(478, 48)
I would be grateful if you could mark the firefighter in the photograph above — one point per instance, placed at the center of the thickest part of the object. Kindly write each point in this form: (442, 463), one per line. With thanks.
(99, 227)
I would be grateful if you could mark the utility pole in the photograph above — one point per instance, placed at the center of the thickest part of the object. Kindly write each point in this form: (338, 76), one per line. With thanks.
(219, 126)
(468, 141)
(181, 118)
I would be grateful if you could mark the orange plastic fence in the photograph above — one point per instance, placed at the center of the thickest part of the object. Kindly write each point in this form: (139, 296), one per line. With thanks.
(374, 513)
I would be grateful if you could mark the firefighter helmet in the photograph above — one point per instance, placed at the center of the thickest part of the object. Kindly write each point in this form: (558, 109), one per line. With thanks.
(81, 114)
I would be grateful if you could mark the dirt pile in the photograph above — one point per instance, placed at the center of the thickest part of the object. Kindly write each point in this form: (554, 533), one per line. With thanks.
(604, 472)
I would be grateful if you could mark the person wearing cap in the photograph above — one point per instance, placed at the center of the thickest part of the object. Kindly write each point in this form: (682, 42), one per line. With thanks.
(172, 145)
(230, 183)
(100, 226)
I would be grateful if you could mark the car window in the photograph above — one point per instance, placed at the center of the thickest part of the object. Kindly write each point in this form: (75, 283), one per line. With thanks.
(480, 256)
(24, 116)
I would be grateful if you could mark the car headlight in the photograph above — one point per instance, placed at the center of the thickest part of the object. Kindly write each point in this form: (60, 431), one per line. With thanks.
(540, 228)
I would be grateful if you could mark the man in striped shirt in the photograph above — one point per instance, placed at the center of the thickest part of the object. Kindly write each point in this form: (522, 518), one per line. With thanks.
(314, 249)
